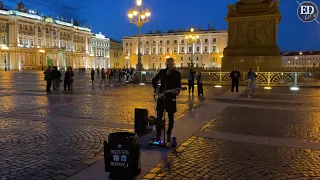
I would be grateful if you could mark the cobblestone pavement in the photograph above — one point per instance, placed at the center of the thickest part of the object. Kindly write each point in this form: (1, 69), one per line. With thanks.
(207, 158)
(47, 149)
(303, 125)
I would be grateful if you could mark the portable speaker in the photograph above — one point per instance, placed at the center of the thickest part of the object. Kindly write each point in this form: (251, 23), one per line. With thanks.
(140, 120)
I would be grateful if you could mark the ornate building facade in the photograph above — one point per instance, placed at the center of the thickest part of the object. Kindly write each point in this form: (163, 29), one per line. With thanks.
(301, 60)
(30, 41)
(100, 51)
(116, 55)
(156, 47)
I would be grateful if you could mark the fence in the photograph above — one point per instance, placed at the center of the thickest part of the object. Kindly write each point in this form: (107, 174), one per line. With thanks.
(263, 78)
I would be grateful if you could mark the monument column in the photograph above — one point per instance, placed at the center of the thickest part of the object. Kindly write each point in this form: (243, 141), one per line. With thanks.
(252, 34)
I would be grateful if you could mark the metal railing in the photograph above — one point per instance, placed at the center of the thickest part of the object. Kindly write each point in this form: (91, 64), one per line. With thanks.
(263, 78)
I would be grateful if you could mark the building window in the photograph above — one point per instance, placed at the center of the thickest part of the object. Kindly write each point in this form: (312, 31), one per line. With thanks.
(154, 50)
(39, 42)
(160, 42)
(160, 50)
(126, 44)
(190, 49)
(154, 42)
(175, 49)
(197, 58)
(206, 49)
(127, 51)
(130, 44)
(214, 40)
(168, 42)
(214, 48)
(181, 58)
(147, 50)
(175, 41)
(182, 49)
(181, 64)
(160, 65)
(47, 30)
(25, 27)
(198, 49)
(147, 42)
(168, 50)
(20, 26)
(205, 40)
(31, 28)
(4, 40)
(182, 41)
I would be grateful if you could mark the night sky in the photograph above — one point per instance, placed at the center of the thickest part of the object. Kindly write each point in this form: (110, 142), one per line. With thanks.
(110, 17)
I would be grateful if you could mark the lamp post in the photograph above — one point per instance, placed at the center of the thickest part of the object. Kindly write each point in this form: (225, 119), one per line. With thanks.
(5, 48)
(139, 17)
(42, 52)
(192, 38)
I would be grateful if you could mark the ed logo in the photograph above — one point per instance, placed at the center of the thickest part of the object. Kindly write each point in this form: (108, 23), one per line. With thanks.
(308, 11)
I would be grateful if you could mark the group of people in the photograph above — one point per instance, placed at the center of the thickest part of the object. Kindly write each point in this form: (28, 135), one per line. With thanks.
(113, 76)
(235, 76)
(191, 77)
(53, 77)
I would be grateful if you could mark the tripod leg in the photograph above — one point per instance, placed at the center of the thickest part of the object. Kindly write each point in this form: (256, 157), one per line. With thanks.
(164, 126)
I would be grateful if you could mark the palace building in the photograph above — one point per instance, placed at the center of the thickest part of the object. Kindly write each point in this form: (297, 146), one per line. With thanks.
(30, 41)
(301, 59)
(101, 51)
(207, 52)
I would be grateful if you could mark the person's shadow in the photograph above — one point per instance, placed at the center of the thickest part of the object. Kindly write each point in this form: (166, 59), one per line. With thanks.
(191, 102)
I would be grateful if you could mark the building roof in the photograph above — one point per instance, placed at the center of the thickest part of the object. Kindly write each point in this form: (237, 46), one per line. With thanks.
(33, 14)
(176, 32)
(301, 53)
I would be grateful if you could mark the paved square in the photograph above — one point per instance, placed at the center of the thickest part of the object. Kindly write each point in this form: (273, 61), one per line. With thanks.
(38, 147)
(290, 124)
(218, 159)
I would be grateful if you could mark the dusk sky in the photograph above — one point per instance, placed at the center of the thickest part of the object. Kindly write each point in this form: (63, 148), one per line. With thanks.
(110, 17)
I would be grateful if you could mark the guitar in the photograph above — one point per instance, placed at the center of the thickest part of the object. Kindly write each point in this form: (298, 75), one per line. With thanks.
(161, 95)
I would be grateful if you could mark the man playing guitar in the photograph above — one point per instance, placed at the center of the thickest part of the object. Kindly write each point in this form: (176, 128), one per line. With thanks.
(170, 87)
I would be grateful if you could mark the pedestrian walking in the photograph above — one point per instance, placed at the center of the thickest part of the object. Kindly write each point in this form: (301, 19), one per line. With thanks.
(103, 77)
(235, 77)
(48, 78)
(191, 81)
(56, 75)
(199, 83)
(92, 75)
(251, 78)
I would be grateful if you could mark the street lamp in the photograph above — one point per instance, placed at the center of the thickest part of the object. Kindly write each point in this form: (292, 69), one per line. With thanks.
(192, 38)
(42, 51)
(139, 17)
(5, 48)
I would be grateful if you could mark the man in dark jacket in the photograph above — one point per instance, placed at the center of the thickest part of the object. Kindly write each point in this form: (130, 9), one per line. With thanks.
(56, 75)
(235, 77)
(170, 87)
(48, 78)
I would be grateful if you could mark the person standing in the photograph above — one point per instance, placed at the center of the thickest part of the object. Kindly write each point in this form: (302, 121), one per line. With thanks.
(169, 88)
(56, 75)
(199, 83)
(252, 78)
(191, 81)
(92, 75)
(68, 80)
(103, 77)
(235, 78)
(48, 78)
